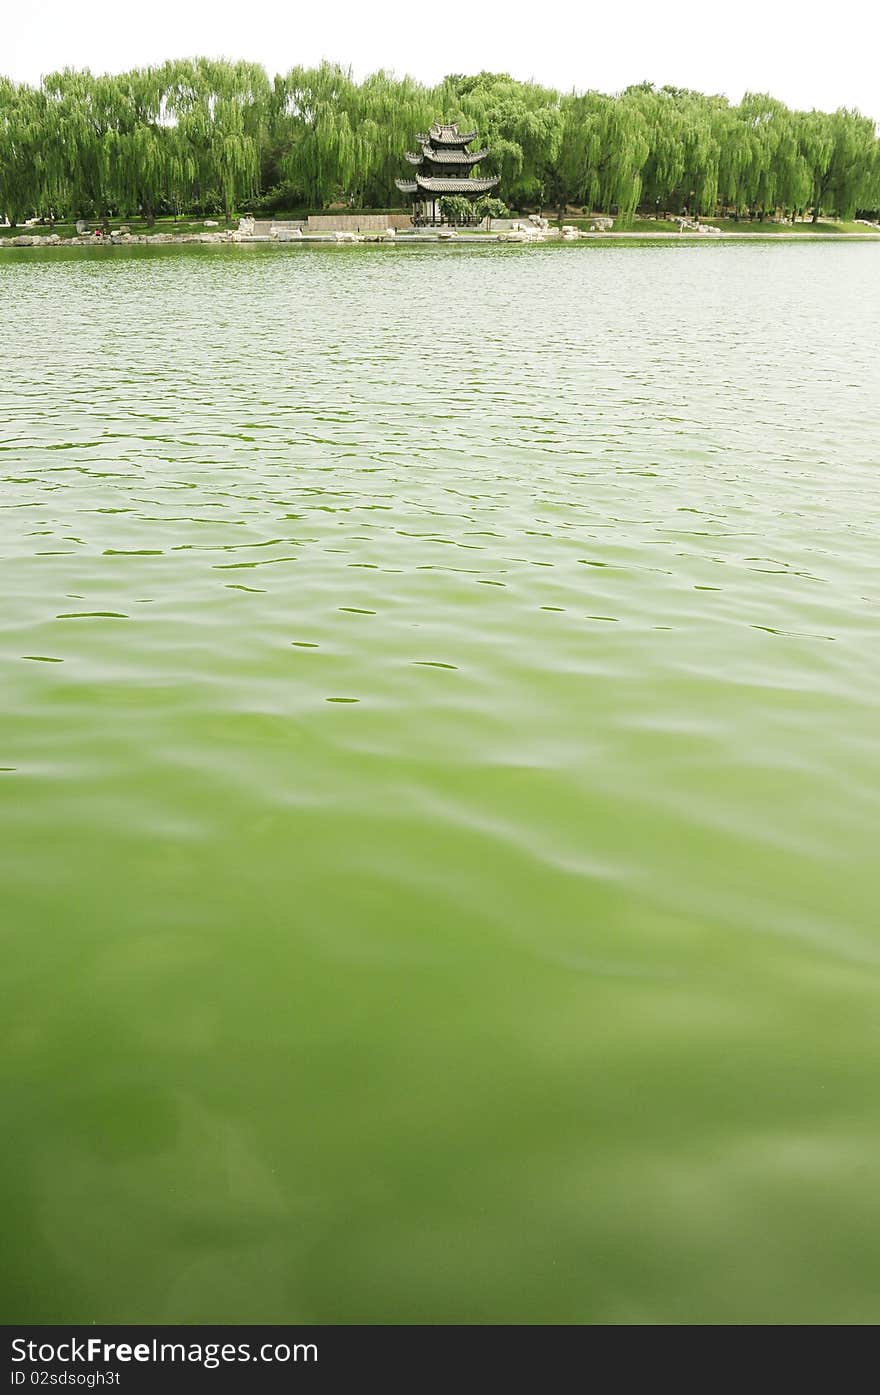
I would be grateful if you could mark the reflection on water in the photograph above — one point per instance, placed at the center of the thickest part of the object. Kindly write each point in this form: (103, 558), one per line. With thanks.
(438, 812)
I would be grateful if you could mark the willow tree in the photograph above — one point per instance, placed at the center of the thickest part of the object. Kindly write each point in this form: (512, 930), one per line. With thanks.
(663, 173)
(144, 143)
(106, 142)
(762, 167)
(319, 150)
(217, 112)
(702, 151)
(839, 153)
(871, 196)
(83, 115)
(566, 177)
(520, 122)
(335, 139)
(389, 111)
(29, 182)
(603, 149)
(849, 175)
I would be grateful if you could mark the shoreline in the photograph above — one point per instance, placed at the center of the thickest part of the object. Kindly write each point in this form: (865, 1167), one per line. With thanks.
(35, 242)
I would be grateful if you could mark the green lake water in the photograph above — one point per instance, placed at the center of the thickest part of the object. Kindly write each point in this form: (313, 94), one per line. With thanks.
(440, 784)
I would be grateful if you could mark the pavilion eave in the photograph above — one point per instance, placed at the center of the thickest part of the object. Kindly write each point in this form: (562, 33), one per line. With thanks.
(431, 185)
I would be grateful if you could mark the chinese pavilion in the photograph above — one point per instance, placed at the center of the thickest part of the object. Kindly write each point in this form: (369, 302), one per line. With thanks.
(443, 165)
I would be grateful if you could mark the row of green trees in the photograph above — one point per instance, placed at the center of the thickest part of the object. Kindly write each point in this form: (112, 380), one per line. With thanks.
(201, 136)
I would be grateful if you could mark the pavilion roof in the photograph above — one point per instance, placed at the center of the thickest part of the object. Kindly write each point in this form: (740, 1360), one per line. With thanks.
(432, 185)
(446, 135)
(454, 157)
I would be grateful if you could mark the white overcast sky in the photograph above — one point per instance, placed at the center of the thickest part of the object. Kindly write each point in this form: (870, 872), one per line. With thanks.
(806, 52)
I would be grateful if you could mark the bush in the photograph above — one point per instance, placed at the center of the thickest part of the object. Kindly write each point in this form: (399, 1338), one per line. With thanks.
(278, 199)
(491, 208)
(456, 209)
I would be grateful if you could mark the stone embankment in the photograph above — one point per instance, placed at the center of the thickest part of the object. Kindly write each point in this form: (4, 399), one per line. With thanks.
(116, 239)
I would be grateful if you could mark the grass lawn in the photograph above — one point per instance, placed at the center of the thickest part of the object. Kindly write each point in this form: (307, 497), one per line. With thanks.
(823, 226)
(728, 225)
(135, 225)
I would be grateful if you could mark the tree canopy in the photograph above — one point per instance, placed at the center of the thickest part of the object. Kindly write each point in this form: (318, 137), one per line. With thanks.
(201, 136)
